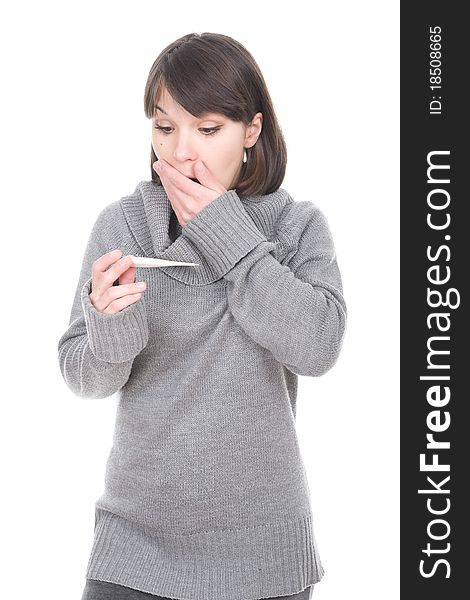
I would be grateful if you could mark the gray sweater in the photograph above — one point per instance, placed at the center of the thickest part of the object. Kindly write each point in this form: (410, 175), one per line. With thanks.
(206, 495)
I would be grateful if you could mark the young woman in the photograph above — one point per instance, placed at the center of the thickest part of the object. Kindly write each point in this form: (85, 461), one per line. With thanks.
(206, 495)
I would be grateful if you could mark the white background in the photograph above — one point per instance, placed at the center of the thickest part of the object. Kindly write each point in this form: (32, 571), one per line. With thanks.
(75, 138)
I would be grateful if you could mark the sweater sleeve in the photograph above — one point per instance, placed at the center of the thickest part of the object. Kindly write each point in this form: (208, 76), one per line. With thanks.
(296, 310)
(97, 350)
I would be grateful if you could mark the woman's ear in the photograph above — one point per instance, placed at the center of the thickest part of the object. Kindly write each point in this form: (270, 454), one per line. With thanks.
(253, 130)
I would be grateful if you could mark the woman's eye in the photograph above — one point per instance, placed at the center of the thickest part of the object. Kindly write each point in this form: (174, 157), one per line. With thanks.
(164, 129)
(205, 130)
(210, 130)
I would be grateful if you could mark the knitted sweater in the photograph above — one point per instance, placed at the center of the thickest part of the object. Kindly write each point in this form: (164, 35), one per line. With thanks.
(206, 495)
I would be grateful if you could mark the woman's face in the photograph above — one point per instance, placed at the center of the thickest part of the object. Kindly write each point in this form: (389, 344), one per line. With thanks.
(181, 140)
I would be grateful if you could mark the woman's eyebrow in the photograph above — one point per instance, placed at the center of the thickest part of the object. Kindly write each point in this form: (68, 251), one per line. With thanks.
(165, 113)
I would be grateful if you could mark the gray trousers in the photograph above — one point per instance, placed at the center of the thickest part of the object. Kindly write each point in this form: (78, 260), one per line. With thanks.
(102, 590)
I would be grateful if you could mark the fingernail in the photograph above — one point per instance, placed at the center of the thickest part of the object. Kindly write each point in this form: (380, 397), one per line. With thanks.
(141, 284)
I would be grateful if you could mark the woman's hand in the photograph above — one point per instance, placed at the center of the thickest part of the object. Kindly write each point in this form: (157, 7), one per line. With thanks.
(188, 197)
(105, 296)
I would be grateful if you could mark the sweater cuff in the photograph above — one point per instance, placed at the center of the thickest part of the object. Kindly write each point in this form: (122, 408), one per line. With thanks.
(223, 232)
(115, 337)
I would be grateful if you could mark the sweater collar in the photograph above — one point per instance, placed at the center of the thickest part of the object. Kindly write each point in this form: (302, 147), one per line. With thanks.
(148, 211)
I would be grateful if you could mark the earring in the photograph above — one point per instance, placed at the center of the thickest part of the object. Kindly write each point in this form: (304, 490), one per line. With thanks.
(244, 155)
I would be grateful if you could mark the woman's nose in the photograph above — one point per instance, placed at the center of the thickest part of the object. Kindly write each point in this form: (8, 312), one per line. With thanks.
(184, 149)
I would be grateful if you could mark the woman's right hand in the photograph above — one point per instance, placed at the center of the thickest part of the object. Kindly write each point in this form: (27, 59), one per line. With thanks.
(109, 298)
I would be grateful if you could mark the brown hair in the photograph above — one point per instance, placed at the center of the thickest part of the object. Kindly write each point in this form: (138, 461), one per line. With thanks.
(211, 72)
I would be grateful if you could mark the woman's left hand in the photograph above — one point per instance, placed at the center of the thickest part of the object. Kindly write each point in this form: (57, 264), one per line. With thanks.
(188, 197)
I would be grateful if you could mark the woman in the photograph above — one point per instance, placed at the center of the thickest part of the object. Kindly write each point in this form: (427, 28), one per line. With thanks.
(205, 490)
